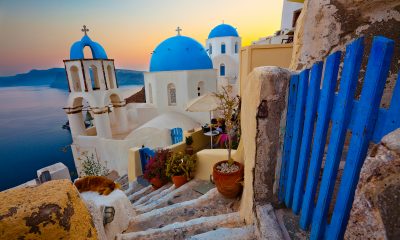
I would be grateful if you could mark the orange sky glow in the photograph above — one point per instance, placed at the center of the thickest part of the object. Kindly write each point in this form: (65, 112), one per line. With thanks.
(38, 34)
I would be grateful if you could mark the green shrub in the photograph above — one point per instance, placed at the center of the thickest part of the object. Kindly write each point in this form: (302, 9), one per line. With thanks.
(179, 164)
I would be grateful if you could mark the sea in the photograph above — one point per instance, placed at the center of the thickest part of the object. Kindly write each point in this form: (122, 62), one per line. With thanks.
(31, 133)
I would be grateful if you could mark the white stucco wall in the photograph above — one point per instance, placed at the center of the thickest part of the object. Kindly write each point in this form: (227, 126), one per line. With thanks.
(230, 59)
(186, 83)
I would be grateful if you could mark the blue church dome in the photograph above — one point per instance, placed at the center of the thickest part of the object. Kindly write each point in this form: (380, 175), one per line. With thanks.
(223, 30)
(76, 51)
(179, 53)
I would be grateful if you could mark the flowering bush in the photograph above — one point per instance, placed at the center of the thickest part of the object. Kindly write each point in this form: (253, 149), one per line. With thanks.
(156, 166)
(179, 164)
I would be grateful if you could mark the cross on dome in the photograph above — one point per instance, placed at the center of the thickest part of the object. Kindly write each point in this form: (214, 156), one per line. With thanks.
(85, 30)
(178, 30)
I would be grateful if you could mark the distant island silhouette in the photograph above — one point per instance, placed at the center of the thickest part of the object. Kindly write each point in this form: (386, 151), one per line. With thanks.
(56, 78)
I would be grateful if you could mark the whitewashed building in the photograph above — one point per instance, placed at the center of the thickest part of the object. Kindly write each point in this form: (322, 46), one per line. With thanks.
(223, 45)
(180, 71)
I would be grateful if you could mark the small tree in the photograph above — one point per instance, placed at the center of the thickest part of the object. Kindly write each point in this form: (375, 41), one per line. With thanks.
(92, 166)
(228, 105)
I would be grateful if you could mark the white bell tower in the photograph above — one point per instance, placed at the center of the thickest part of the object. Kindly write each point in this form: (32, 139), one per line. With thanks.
(223, 45)
(93, 81)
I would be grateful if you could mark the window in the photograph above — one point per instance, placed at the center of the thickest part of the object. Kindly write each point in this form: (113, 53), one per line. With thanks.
(200, 88)
(236, 47)
(171, 94)
(222, 70)
(223, 48)
(210, 49)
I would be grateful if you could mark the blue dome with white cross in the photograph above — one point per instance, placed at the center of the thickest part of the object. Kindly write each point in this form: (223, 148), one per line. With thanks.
(76, 51)
(223, 30)
(179, 53)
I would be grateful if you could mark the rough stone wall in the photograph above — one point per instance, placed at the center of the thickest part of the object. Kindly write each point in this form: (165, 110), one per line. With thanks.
(326, 26)
(264, 98)
(52, 210)
(376, 209)
(269, 114)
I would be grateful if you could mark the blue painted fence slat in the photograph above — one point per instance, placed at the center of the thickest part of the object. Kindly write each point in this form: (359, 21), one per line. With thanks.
(389, 120)
(324, 111)
(308, 129)
(297, 133)
(294, 80)
(340, 120)
(375, 78)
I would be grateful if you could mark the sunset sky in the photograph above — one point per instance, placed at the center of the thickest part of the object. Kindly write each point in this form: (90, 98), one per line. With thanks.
(38, 34)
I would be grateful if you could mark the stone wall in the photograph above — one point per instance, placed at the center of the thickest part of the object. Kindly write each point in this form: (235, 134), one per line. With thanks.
(326, 26)
(264, 98)
(376, 209)
(52, 210)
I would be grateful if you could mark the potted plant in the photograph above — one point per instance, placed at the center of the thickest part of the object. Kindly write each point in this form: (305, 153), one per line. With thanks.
(155, 169)
(189, 142)
(180, 168)
(228, 174)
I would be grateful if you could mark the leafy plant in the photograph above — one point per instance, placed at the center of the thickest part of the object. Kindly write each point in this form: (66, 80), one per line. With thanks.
(155, 168)
(228, 107)
(92, 166)
(189, 140)
(179, 164)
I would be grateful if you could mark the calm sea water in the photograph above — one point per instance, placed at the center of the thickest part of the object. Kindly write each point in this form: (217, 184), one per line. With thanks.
(31, 134)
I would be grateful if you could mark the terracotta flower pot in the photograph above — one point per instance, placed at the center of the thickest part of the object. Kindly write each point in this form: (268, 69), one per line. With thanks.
(228, 184)
(156, 183)
(179, 180)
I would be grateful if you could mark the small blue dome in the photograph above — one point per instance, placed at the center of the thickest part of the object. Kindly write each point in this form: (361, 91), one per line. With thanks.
(76, 51)
(223, 30)
(179, 53)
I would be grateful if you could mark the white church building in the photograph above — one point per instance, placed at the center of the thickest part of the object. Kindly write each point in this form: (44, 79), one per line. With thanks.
(180, 71)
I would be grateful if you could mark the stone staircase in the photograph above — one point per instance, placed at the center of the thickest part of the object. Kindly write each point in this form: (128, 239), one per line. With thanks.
(184, 213)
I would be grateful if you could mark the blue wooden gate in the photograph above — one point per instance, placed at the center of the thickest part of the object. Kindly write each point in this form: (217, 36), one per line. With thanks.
(145, 155)
(311, 107)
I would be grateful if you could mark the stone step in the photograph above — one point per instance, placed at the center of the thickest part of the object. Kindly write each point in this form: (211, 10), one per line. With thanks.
(162, 191)
(133, 187)
(210, 204)
(181, 194)
(242, 233)
(139, 194)
(183, 230)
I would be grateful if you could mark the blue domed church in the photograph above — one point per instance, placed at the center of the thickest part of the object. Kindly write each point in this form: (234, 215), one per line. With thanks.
(180, 71)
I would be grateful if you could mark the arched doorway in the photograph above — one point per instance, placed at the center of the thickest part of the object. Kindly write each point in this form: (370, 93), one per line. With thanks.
(76, 81)
(80, 117)
(117, 114)
(94, 77)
